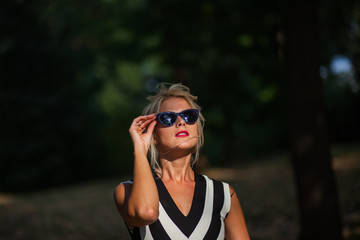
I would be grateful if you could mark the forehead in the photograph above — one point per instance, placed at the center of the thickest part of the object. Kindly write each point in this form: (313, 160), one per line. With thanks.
(174, 104)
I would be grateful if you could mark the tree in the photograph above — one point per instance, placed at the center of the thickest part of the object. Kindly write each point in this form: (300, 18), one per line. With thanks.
(46, 111)
(310, 150)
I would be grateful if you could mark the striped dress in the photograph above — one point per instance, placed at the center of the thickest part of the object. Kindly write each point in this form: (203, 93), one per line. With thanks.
(210, 206)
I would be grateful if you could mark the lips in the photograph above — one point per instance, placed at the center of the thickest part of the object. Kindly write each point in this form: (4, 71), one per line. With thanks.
(182, 134)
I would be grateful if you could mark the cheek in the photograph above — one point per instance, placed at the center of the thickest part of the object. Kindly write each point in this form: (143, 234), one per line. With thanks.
(154, 139)
(194, 129)
(155, 136)
(160, 134)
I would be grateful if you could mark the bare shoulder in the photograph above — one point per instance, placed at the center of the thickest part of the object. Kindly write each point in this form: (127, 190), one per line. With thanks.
(235, 203)
(235, 225)
(232, 191)
(121, 194)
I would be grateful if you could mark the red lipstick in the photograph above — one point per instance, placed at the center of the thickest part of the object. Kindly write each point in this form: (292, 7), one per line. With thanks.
(182, 134)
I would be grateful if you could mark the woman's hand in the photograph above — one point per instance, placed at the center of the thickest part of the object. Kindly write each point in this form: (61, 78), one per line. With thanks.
(141, 131)
(138, 202)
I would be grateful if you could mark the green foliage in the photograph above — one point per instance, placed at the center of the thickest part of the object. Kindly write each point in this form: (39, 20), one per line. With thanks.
(74, 74)
(47, 113)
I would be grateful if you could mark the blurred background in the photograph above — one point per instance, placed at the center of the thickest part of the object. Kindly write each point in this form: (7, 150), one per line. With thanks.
(73, 75)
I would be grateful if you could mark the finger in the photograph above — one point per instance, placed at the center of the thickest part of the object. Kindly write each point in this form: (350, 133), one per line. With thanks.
(153, 115)
(141, 119)
(146, 123)
(151, 127)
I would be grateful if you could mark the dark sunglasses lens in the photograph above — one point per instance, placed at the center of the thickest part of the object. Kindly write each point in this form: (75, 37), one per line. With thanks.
(190, 116)
(167, 119)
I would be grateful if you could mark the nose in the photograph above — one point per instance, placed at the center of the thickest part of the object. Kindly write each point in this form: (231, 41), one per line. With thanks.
(180, 121)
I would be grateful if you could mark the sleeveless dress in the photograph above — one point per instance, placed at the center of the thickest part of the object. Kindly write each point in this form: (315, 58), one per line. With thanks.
(210, 206)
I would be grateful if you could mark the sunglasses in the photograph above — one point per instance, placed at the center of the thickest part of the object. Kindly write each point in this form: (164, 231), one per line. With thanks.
(168, 119)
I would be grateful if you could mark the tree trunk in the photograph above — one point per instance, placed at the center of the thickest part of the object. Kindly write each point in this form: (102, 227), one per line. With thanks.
(310, 150)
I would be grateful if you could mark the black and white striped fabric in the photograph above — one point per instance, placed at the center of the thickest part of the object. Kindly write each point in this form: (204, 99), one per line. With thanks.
(210, 206)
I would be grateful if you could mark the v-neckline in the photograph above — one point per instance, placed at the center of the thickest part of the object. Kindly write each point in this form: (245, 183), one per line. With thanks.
(186, 223)
(173, 203)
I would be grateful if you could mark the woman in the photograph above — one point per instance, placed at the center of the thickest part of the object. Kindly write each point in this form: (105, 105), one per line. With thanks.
(167, 199)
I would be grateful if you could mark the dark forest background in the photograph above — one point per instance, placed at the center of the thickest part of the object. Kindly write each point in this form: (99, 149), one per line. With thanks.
(270, 76)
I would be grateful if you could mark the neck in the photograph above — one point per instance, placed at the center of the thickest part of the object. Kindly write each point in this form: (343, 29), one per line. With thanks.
(177, 170)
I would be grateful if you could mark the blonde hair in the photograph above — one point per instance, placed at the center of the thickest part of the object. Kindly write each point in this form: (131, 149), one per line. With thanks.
(162, 93)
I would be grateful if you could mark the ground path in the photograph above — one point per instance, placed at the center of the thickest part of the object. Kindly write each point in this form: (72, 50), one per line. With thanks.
(265, 188)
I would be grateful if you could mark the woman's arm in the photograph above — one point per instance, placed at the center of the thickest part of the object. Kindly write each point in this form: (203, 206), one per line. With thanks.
(235, 226)
(138, 203)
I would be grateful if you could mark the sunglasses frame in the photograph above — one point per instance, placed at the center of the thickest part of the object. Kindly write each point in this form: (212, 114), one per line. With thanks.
(178, 114)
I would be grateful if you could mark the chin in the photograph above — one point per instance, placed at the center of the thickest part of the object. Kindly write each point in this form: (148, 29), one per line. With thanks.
(189, 146)
(185, 146)
(180, 144)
